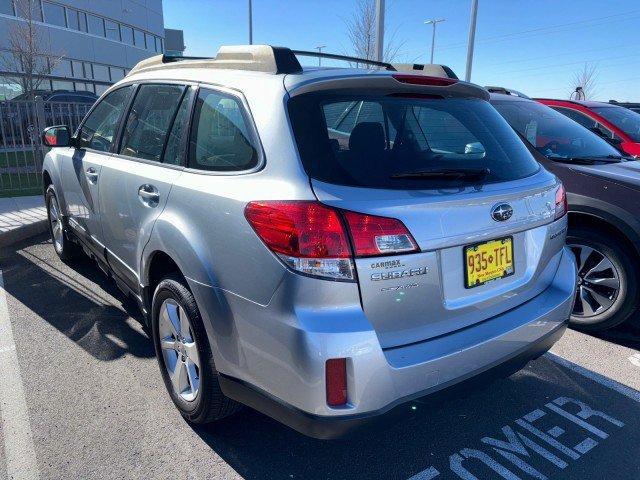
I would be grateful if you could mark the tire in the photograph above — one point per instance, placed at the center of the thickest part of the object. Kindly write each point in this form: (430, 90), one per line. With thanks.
(66, 249)
(607, 276)
(205, 403)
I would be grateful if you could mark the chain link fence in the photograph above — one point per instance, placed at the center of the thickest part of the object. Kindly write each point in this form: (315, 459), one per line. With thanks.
(21, 148)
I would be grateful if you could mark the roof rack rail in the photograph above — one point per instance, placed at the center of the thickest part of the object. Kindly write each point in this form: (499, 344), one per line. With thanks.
(261, 58)
(333, 56)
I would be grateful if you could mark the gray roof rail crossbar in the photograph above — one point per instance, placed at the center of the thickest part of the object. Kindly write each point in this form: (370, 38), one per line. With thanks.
(333, 56)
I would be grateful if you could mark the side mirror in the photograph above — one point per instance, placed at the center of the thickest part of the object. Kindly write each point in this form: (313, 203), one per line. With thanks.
(474, 148)
(58, 136)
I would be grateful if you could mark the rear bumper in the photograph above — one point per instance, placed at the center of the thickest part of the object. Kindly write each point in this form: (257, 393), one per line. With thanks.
(325, 427)
(283, 372)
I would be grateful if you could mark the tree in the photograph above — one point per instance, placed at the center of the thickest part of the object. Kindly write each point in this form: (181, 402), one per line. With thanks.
(584, 83)
(27, 55)
(361, 30)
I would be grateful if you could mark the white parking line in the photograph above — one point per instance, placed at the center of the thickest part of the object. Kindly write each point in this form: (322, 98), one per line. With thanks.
(596, 377)
(20, 456)
(635, 359)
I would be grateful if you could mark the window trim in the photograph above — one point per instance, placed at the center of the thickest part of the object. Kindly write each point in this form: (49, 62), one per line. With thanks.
(191, 92)
(250, 123)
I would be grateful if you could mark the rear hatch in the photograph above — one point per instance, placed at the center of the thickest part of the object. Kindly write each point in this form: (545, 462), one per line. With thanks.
(443, 162)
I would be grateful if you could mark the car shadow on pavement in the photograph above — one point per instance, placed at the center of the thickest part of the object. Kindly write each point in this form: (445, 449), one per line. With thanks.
(625, 335)
(430, 437)
(78, 300)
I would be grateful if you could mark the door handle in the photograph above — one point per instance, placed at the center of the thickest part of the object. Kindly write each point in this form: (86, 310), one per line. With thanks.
(149, 195)
(91, 175)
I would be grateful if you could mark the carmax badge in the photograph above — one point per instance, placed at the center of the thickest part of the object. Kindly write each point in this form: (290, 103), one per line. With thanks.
(395, 274)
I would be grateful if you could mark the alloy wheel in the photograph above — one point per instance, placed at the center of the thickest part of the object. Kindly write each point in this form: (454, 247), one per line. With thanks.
(598, 282)
(56, 223)
(179, 350)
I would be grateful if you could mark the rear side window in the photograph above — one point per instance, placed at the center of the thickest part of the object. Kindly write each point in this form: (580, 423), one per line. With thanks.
(100, 126)
(221, 139)
(149, 120)
(373, 141)
(576, 116)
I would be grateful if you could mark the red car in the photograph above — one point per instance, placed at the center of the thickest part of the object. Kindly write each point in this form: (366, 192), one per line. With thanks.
(619, 125)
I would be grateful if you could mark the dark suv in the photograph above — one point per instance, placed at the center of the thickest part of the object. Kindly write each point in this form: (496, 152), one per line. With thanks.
(603, 191)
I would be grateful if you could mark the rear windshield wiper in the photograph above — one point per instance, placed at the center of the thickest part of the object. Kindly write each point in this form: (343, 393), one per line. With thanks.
(589, 160)
(445, 173)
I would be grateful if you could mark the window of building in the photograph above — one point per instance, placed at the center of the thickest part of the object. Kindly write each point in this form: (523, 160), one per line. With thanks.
(101, 72)
(6, 7)
(139, 39)
(98, 130)
(84, 87)
(149, 121)
(34, 5)
(100, 89)
(161, 45)
(117, 73)
(127, 34)
(173, 153)
(62, 85)
(96, 25)
(61, 68)
(88, 70)
(113, 30)
(220, 139)
(54, 14)
(78, 70)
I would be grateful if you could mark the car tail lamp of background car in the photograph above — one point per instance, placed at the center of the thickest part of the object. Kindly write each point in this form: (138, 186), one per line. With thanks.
(561, 202)
(312, 238)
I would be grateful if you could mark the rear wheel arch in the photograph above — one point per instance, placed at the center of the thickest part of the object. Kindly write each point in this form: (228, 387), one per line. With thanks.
(46, 180)
(159, 265)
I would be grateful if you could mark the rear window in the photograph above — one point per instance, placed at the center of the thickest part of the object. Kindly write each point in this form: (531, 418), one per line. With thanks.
(365, 141)
(626, 120)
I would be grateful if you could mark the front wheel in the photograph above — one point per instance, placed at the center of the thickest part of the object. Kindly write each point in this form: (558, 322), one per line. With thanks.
(65, 248)
(607, 281)
(184, 354)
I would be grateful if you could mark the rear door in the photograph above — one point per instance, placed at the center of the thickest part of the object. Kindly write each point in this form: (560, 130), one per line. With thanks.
(136, 181)
(484, 245)
(81, 173)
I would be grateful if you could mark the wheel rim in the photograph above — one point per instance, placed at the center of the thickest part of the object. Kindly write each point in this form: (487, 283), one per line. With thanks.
(179, 350)
(56, 224)
(598, 282)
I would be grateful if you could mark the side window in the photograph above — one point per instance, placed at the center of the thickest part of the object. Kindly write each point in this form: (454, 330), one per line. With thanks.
(220, 137)
(172, 153)
(149, 119)
(100, 126)
(581, 118)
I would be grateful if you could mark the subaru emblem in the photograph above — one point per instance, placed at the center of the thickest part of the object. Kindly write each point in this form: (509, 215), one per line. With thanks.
(501, 212)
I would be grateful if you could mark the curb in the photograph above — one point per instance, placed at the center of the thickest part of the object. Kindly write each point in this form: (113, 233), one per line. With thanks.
(23, 232)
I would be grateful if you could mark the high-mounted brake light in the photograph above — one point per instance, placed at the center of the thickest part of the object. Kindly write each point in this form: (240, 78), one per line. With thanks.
(374, 236)
(425, 80)
(308, 236)
(561, 202)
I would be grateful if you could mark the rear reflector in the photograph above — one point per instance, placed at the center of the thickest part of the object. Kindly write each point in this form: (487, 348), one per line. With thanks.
(308, 236)
(336, 379)
(375, 236)
(425, 80)
(561, 202)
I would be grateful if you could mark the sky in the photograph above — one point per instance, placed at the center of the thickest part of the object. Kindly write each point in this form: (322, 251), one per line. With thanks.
(532, 46)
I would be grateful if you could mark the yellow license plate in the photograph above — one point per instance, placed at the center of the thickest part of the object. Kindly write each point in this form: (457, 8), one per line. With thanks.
(488, 261)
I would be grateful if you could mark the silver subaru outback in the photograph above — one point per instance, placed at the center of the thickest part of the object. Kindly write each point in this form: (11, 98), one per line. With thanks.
(322, 245)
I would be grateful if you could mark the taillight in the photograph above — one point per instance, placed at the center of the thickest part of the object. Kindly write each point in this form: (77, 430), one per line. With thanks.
(308, 236)
(311, 238)
(375, 236)
(561, 202)
(336, 381)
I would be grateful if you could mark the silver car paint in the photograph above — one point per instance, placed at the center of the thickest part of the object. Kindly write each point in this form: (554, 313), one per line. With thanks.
(274, 329)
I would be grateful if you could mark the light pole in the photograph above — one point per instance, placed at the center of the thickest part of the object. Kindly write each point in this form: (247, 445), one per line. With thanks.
(433, 22)
(472, 38)
(250, 23)
(379, 30)
(319, 48)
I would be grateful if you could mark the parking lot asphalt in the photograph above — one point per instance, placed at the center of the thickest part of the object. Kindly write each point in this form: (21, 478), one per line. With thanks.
(82, 397)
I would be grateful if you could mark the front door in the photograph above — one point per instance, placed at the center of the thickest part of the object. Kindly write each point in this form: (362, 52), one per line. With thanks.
(135, 183)
(81, 172)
